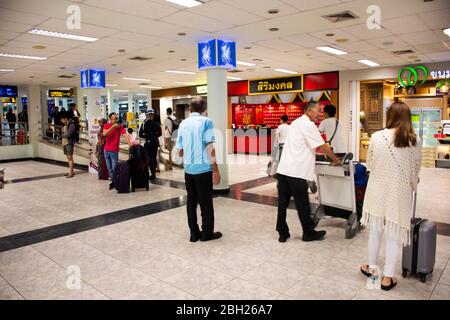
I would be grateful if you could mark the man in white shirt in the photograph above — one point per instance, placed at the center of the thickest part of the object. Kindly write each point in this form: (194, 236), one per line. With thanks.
(282, 132)
(333, 130)
(169, 136)
(296, 168)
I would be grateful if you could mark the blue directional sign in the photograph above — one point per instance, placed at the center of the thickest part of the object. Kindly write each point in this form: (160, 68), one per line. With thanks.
(8, 91)
(227, 54)
(207, 55)
(93, 78)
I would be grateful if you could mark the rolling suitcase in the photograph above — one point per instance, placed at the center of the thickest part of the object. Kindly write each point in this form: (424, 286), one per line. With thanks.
(419, 257)
(139, 168)
(121, 177)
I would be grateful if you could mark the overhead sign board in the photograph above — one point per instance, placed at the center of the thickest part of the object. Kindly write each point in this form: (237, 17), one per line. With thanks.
(93, 78)
(8, 91)
(60, 93)
(276, 85)
(217, 53)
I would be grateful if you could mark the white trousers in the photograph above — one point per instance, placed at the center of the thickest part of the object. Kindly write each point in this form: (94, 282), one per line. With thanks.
(391, 254)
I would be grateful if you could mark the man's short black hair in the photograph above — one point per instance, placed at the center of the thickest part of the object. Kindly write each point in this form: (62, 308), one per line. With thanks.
(169, 111)
(285, 118)
(72, 105)
(330, 109)
(130, 130)
(111, 114)
(198, 105)
(64, 115)
(310, 104)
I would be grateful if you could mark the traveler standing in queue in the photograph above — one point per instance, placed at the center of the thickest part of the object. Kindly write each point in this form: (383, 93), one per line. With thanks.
(282, 132)
(76, 119)
(393, 159)
(296, 168)
(170, 129)
(101, 162)
(11, 117)
(196, 144)
(333, 130)
(112, 131)
(151, 131)
(56, 118)
(68, 141)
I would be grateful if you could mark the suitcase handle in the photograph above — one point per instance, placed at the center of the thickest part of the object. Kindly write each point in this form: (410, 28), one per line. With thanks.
(414, 204)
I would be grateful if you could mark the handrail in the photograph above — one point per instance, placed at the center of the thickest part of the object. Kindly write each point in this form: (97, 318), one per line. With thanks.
(13, 133)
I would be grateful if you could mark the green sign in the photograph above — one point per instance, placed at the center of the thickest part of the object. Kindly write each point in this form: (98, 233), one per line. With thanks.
(409, 76)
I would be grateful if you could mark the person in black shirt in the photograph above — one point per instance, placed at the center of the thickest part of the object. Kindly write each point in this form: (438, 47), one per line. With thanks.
(151, 131)
(75, 116)
(11, 117)
(57, 124)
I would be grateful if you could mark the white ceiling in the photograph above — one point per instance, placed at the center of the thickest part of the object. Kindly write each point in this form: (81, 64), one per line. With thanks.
(149, 28)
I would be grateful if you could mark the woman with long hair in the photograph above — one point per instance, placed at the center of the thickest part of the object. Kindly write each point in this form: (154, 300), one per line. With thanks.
(102, 169)
(393, 159)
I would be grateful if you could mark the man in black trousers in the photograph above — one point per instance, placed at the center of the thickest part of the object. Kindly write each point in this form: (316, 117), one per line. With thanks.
(196, 144)
(151, 131)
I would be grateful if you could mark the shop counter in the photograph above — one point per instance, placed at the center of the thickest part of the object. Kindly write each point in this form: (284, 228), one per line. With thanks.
(253, 141)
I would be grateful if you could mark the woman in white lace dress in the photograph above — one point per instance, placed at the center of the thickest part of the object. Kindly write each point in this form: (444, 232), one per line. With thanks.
(393, 160)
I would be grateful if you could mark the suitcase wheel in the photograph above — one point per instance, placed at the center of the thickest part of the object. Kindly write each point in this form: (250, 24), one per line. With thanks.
(404, 273)
(423, 277)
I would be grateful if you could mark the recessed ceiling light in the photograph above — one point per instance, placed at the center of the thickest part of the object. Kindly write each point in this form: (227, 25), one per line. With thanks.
(31, 77)
(332, 50)
(368, 63)
(387, 43)
(273, 11)
(62, 68)
(6, 70)
(340, 40)
(274, 29)
(186, 3)
(247, 48)
(286, 71)
(243, 63)
(446, 31)
(135, 79)
(184, 59)
(55, 34)
(119, 72)
(418, 60)
(171, 51)
(113, 65)
(181, 33)
(266, 67)
(257, 60)
(181, 72)
(111, 85)
(150, 87)
(121, 50)
(39, 47)
(330, 34)
(18, 56)
(234, 78)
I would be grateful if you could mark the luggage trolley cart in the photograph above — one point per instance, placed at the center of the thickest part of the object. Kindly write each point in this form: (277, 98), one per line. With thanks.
(336, 191)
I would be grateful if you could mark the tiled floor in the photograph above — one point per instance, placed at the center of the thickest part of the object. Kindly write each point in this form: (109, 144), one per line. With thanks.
(151, 258)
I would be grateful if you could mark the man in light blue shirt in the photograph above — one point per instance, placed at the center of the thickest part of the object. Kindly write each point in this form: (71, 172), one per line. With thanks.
(195, 143)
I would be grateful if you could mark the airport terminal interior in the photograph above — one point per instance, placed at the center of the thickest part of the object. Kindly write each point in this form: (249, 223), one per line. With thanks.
(84, 235)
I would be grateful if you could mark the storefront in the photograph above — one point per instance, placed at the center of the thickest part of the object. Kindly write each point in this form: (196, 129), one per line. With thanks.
(422, 87)
(257, 106)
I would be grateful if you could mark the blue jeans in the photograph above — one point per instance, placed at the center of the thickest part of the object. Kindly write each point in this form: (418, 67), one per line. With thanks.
(111, 159)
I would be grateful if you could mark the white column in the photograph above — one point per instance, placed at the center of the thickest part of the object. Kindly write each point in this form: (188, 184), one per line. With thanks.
(35, 115)
(79, 100)
(217, 111)
(354, 94)
(130, 102)
(110, 98)
(93, 103)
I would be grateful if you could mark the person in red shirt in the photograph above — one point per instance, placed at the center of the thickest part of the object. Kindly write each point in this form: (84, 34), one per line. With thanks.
(112, 131)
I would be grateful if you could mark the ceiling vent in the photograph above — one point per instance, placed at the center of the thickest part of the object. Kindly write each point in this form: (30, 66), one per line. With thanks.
(235, 71)
(401, 52)
(341, 16)
(66, 76)
(138, 58)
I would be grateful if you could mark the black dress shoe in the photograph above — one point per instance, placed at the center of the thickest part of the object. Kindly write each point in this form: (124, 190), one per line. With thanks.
(284, 236)
(111, 186)
(214, 236)
(389, 287)
(195, 237)
(314, 236)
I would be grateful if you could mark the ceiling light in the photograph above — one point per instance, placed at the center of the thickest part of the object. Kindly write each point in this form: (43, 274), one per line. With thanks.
(135, 79)
(61, 35)
(39, 47)
(330, 34)
(186, 3)
(234, 78)
(247, 48)
(181, 33)
(6, 70)
(111, 85)
(273, 11)
(120, 90)
(286, 71)
(181, 72)
(242, 63)
(18, 56)
(150, 87)
(368, 63)
(274, 29)
(340, 40)
(446, 31)
(332, 50)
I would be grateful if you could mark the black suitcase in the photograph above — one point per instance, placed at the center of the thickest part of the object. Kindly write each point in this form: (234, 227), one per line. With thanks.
(121, 179)
(139, 169)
